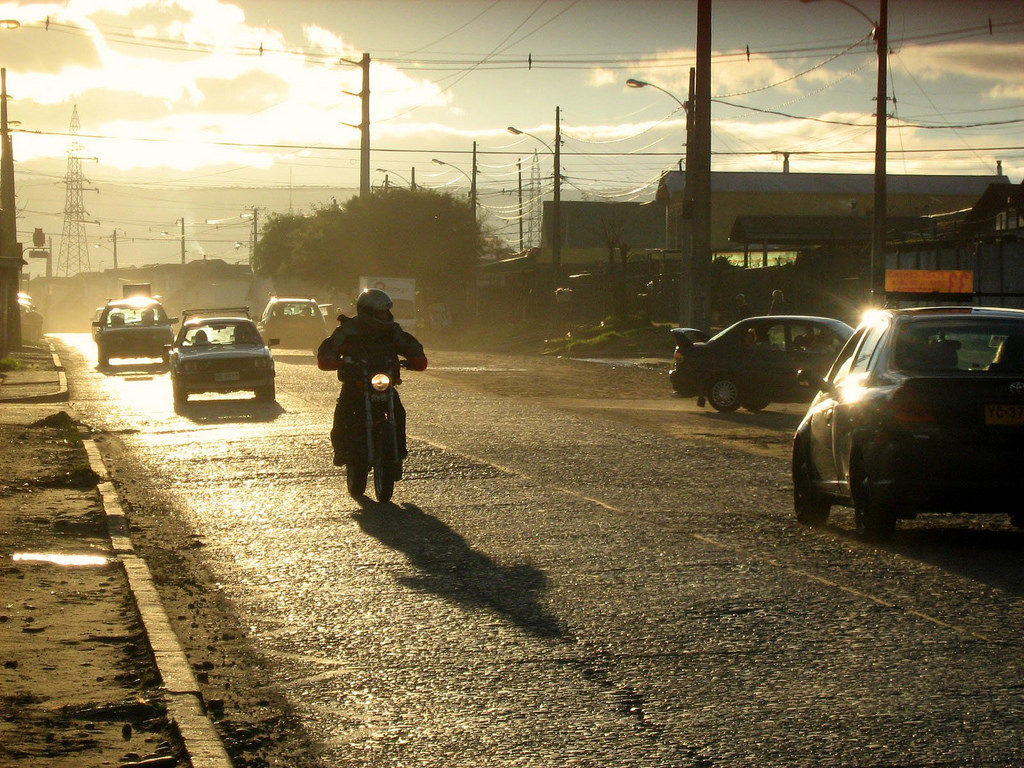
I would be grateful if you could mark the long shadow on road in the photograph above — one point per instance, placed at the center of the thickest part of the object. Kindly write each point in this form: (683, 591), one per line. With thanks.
(240, 411)
(455, 571)
(988, 556)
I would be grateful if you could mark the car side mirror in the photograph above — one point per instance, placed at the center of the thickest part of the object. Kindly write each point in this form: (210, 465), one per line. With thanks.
(808, 378)
(274, 343)
(97, 324)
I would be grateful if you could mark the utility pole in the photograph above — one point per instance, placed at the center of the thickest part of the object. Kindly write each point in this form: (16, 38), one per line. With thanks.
(364, 124)
(878, 217)
(10, 257)
(113, 239)
(687, 291)
(701, 166)
(556, 207)
(182, 220)
(519, 167)
(472, 184)
(255, 232)
(412, 184)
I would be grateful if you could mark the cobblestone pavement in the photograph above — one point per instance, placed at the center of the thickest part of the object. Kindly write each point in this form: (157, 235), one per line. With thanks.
(577, 571)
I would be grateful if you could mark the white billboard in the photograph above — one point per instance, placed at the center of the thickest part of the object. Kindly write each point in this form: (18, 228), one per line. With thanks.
(402, 291)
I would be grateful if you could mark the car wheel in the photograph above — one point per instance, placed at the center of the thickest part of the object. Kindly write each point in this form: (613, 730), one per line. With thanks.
(810, 506)
(754, 404)
(723, 394)
(874, 518)
(102, 357)
(266, 393)
(180, 395)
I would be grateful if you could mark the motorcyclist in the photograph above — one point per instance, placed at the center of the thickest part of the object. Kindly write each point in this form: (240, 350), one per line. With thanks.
(371, 336)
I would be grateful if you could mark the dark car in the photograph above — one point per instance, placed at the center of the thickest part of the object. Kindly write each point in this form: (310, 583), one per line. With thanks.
(220, 350)
(134, 327)
(755, 362)
(295, 322)
(923, 411)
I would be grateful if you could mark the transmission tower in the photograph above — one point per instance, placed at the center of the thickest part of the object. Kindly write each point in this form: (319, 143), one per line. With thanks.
(535, 208)
(73, 256)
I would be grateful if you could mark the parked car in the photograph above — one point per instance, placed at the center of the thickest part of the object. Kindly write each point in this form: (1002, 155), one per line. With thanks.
(134, 327)
(755, 361)
(922, 411)
(295, 322)
(31, 319)
(220, 350)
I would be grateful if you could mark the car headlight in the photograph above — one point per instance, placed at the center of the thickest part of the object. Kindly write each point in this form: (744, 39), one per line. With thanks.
(380, 381)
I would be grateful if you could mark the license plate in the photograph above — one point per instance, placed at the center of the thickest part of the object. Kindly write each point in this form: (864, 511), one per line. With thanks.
(226, 376)
(1004, 415)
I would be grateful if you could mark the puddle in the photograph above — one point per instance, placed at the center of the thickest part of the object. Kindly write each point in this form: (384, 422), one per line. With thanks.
(58, 559)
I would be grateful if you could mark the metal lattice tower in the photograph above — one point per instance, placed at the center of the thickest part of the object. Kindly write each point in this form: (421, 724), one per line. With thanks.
(73, 256)
(534, 211)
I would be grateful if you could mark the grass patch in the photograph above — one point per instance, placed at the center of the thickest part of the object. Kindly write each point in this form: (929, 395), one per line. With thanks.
(615, 336)
(11, 364)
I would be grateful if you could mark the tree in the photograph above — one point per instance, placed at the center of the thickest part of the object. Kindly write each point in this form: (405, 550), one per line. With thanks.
(431, 237)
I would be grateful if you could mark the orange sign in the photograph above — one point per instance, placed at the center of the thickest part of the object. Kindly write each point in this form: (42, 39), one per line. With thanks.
(929, 281)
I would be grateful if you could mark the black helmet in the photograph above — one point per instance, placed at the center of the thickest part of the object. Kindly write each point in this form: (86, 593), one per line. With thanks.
(373, 302)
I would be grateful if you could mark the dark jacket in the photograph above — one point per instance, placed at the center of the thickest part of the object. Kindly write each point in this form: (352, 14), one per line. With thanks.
(367, 339)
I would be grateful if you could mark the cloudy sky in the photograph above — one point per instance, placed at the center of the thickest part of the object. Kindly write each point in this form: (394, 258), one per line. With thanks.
(220, 92)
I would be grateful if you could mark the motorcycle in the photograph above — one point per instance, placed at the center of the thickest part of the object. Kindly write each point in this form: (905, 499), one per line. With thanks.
(378, 386)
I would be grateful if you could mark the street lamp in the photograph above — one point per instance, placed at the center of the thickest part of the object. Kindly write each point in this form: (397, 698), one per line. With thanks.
(472, 179)
(634, 83)
(386, 172)
(556, 202)
(880, 31)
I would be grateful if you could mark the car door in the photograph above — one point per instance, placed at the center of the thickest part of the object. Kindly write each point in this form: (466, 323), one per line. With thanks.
(822, 413)
(850, 392)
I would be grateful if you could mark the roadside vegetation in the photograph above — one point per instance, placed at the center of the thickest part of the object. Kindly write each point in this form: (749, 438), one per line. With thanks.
(615, 336)
(421, 234)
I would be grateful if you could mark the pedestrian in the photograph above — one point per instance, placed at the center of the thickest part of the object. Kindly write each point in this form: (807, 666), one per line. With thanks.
(778, 305)
(741, 309)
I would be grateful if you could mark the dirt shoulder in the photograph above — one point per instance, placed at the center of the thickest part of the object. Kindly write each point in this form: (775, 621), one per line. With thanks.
(78, 686)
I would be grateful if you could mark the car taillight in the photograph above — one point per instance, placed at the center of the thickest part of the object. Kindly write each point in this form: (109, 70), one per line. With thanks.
(678, 355)
(909, 408)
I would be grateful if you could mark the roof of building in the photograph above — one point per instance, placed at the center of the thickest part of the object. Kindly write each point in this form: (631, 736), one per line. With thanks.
(672, 183)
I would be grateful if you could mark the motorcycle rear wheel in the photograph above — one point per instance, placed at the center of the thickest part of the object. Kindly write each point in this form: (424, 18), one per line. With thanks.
(355, 477)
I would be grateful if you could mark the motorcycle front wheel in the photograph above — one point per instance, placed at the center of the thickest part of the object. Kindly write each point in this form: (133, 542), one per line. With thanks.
(355, 477)
(383, 464)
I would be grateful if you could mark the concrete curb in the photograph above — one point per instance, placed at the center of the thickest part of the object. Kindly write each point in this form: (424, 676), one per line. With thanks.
(60, 395)
(184, 700)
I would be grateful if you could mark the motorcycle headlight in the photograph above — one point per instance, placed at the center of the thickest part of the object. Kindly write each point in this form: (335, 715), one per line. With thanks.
(381, 382)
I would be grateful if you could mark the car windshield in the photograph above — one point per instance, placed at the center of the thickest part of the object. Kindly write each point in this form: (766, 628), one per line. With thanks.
(221, 334)
(149, 314)
(961, 344)
(297, 309)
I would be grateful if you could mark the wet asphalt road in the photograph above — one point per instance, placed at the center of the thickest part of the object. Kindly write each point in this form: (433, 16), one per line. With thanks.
(564, 581)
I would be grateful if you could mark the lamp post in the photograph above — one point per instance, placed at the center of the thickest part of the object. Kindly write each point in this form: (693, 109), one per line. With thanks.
(876, 267)
(472, 179)
(386, 172)
(556, 202)
(687, 288)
